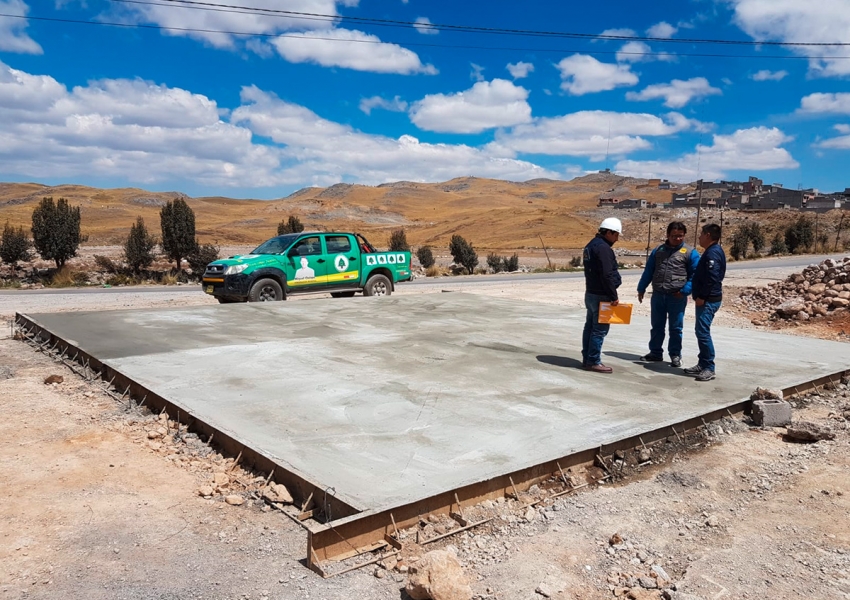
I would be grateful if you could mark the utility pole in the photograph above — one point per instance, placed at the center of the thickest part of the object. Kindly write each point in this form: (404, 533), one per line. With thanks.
(720, 241)
(699, 210)
(838, 235)
(649, 238)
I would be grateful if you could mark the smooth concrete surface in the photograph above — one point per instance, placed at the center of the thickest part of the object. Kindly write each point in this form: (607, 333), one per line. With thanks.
(390, 400)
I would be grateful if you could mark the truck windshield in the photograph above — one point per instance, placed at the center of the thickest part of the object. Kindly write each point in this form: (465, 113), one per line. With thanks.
(276, 245)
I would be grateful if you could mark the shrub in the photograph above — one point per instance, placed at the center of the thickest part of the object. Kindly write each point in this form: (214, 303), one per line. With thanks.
(65, 277)
(201, 257)
(463, 253)
(291, 225)
(777, 244)
(756, 235)
(426, 257)
(495, 262)
(106, 264)
(177, 221)
(56, 230)
(433, 271)
(799, 236)
(398, 241)
(576, 262)
(511, 264)
(740, 243)
(138, 249)
(14, 245)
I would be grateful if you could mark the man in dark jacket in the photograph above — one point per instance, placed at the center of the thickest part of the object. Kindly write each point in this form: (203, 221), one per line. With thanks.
(601, 278)
(708, 294)
(669, 268)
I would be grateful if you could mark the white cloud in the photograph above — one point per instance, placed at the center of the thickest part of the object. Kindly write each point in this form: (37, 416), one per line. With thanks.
(350, 49)
(367, 105)
(144, 133)
(662, 30)
(592, 133)
(641, 52)
(622, 32)
(677, 93)
(423, 26)
(13, 38)
(767, 75)
(757, 148)
(583, 74)
(477, 72)
(841, 142)
(520, 69)
(836, 104)
(794, 21)
(486, 105)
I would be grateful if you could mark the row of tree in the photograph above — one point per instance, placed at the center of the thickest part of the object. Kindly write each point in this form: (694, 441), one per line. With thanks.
(798, 236)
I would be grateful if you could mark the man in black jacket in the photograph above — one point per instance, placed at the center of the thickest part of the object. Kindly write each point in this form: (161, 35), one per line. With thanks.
(707, 291)
(601, 278)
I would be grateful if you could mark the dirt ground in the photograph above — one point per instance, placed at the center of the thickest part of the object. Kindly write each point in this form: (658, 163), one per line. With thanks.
(93, 508)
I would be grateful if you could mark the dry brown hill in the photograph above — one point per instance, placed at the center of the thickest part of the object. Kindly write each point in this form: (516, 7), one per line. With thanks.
(493, 214)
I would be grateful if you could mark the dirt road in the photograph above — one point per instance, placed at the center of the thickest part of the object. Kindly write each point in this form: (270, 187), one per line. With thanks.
(92, 508)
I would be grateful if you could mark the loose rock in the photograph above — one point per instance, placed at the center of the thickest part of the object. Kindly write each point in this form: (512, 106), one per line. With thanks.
(53, 379)
(806, 431)
(438, 576)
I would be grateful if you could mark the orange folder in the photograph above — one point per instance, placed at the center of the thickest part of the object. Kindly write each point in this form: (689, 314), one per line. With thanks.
(615, 315)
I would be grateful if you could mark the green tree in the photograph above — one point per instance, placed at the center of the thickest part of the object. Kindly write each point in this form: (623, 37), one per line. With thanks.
(56, 230)
(509, 265)
(291, 225)
(177, 221)
(201, 257)
(463, 253)
(14, 245)
(800, 235)
(756, 235)
(398, 241)
(495, 262)
(740, 243)
(138, 249)
(425, 256)
(777, 244)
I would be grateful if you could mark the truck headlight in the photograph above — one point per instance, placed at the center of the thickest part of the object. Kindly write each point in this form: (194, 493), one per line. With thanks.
(235, 269)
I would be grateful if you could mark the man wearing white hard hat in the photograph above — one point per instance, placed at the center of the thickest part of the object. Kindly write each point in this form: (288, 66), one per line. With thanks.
(601, 278)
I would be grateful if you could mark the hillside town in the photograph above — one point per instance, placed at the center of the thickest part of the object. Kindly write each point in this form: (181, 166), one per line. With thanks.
(750, 195)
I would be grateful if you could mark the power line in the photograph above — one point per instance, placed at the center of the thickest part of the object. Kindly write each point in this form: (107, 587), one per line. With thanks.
(233, 8)
(416, 44)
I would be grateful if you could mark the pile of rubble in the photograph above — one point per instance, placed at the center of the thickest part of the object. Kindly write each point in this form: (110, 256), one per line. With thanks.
(820, 291)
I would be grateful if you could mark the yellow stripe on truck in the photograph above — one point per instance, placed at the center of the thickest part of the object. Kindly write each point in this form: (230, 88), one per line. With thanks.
(347, 276)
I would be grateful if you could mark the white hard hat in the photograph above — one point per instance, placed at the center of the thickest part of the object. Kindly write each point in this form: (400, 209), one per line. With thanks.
(612, 224)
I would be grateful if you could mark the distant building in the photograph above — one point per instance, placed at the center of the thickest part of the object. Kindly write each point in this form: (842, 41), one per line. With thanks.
(632, 203)
(608, 202)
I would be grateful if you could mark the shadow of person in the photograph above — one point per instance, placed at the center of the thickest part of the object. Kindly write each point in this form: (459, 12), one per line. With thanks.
(662, 366)
(625, 356)
(560, 361)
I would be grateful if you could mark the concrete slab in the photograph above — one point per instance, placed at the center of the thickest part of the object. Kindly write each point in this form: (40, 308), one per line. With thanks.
(393, 400)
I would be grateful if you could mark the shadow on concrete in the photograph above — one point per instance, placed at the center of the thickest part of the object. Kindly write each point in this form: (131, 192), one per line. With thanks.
(560, 361)
(660, 367)
(627, 356)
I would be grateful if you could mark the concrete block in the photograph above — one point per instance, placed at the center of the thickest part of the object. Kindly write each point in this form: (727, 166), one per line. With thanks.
(771, 413)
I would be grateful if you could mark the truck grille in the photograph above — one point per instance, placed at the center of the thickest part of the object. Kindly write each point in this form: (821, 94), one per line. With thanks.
(214, 271)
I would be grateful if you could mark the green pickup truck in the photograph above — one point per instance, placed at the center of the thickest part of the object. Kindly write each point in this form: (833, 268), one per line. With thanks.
(341, 264)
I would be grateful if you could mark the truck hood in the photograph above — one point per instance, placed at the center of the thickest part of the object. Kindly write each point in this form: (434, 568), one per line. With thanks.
(251, 259)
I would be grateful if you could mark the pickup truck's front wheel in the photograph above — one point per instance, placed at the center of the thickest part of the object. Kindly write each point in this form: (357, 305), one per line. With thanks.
(378, 285)
(265, 290)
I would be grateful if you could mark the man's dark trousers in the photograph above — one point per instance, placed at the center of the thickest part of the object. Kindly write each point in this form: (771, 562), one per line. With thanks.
(705, 316)
(666, 308)
(594, 332)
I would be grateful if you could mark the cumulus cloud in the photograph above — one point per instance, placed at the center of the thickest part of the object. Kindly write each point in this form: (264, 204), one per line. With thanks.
(767, 75)
(423, 26)
(757, 148)
(836, 104)
(477, 72)
(677, 93)
(582, 74)
(621, 32)
(350, 49)
(793, 21)
(145, 133)
(641, 52)
(367, 105)
(662, 30)
(841, 142)
(592, 133)
(520, 69)
(486, 105)
(13, 37)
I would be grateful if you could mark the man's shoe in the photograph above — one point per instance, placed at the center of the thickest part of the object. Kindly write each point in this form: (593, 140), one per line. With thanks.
(600, 368)
(651, 358)
(695, 370)
(676, 361)
(705, 375)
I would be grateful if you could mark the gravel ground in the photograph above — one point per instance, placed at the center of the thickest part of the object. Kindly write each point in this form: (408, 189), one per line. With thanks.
(92, 508)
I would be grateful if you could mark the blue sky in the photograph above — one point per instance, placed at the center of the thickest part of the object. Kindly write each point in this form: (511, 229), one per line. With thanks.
(370, 92)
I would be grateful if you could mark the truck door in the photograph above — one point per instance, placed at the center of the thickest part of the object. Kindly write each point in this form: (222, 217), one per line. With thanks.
(307, 264)
(343, 261)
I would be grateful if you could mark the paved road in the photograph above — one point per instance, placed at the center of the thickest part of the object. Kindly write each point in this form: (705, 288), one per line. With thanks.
(764, 263)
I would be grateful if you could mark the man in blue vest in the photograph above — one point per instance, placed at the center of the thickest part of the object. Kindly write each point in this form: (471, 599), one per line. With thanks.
(670, 268)
(601, 280)
(708, 295)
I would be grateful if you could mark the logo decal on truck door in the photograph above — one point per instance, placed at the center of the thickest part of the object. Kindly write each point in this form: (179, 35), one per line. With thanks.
(370, 260)
(341, 263)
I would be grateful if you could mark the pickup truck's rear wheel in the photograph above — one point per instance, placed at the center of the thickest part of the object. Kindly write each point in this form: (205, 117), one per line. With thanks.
(378, 285)
(265, 290)
(342, 294)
